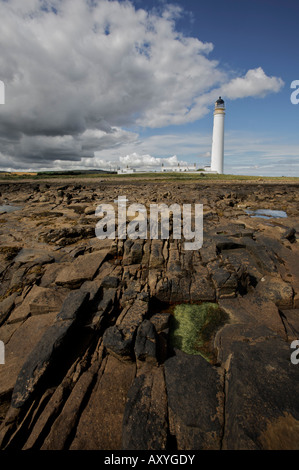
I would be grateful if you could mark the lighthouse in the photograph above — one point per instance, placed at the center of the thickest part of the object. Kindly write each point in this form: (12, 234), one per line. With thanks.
(218, 137)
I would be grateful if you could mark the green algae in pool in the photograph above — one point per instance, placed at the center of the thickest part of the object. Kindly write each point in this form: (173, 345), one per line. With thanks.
(193, 326)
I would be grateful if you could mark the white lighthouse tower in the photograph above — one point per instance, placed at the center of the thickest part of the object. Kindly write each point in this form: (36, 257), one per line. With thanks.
(218, 137)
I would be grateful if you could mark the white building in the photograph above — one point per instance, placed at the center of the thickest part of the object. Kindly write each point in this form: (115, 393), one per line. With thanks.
(179, 168)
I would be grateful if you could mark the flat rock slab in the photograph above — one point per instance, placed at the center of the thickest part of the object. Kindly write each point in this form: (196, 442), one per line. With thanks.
(145, 424)
(262, 389)
(100, 425)
(251, 318)
(195, 399)
(21, 343)
(6, 306)
(39, 300)
(253, 310)
(82, 269)
(276, 290)
(65, 423)
(34, 256)
(42, 355)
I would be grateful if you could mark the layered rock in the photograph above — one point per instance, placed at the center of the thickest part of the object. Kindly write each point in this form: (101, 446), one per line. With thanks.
(86, 322)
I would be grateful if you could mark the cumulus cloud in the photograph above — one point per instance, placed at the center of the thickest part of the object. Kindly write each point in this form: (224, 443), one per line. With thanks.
(79, 73)
(254, 83)
(149, 162)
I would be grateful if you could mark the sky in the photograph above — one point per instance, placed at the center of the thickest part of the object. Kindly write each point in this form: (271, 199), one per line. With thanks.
(107, 84)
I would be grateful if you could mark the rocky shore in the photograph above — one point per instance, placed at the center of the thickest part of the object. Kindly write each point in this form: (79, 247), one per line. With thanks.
(86, 323)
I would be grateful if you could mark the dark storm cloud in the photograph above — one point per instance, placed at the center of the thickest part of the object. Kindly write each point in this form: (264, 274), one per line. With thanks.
(77, 72)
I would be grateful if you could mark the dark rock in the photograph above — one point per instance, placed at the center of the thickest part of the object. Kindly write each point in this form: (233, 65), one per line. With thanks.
(161, 321)
(94, 289)
(143, 296)
(195, 400)
(201, 288)
(49, 408)
(180, 287)
(133, 252)
(262, 254)
(145, 416)
(137, 251)
(227, 244)
(145, 344)
(290, 235)
(67, 420)
(261, 411)
(174, 262)
(100, 424)
(20, 340)
(110, 281)
(225, 282)
(68, 236)
(6, 307)
(116, 344)
(104, 307)
(252, 318)
(130, 292)
(156, 255)
(119, 339)
(39, 301)
(74, 306)
(83, 268)
(93, 376)
(46, 352)
(273, 288)
(127, 252)
(290, 320)
(133, 317)
(208, 252)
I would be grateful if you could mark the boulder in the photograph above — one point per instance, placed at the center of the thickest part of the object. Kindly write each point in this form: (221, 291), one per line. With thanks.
(146, 343)
(116, 343)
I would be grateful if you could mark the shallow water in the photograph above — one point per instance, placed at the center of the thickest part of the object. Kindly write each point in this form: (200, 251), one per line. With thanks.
(266, 213)
(8, 208)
